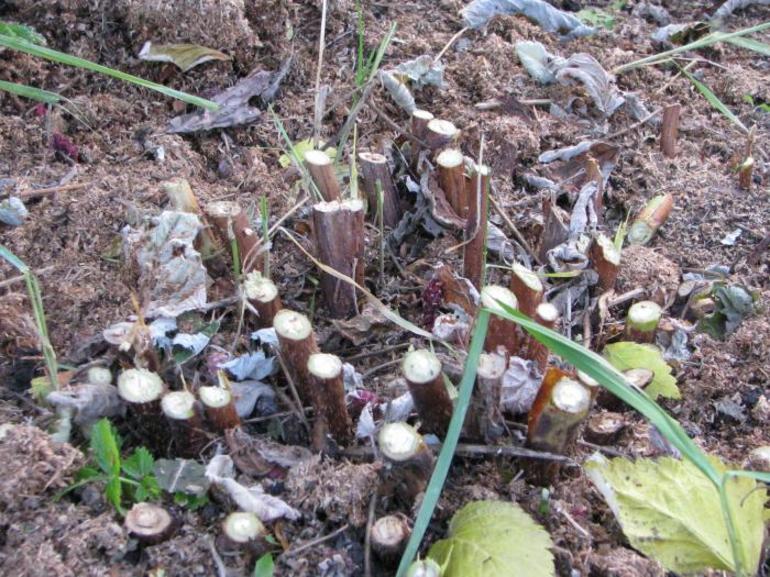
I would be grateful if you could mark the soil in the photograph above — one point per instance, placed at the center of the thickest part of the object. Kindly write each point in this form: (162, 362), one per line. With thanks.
(72, 240)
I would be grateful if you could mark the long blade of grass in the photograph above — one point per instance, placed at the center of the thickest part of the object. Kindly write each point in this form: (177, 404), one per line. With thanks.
(751, 44)
(69, 60)
(30, 92)
(437, 479)
(707, 40)
(713, 99)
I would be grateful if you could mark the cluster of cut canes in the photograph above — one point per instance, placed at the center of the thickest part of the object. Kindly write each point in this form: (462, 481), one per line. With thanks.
(562, 403)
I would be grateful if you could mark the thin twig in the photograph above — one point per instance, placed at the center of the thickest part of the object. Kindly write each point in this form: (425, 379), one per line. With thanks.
(368, 537)
(40, 192)
(496, 103)
(509, 223)
(377, 352)
(317, 541)
(452, 40)
(20, 278)
(221, 569)
(636, 125)
(318, 97)
(297, 411)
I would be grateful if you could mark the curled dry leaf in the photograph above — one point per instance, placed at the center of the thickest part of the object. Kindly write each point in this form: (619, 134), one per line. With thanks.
(12, 211)
(185, 56)
(422, 71)
(234, 103)
(89, 401)
(220, 471)
(521, 382)
(398, 91)
(479, 12)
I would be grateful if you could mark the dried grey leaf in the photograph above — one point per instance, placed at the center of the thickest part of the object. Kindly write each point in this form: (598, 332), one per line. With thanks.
(221, 470)
(234, 108)
(423, 71)
(599, 85)
(90, 402)
(398, 92)
(521, 382)
(12, 211)
(479, 12)
(181, 475)
(726, 9)
(538, 62)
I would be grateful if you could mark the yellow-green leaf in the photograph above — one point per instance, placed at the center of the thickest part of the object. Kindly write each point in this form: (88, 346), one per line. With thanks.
(300, 149)
(671, 512)
(625, 355)
(185, 56)
(494, 538)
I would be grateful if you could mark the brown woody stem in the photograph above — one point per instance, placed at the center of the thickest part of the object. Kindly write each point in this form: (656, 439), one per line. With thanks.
(422, 371)
(142, 391)
(377, 179)
(547, 315)
(642, 321)
(297, 342)
(474, 249)
(183, 199)
(451, 178)
(440, 133)
(220, 407)
(604, 428)
(232, 222)
(409, 459)
(329, 393)
(502, 332)
(339, 236)
(528, 289)
(562, 403)
(485, 420)
(185, 423)
(746, 173)
(650, 219)
(669, 129)
(149, 523)
(420, 119)
(389, 537)
(606, 260)
(263, 296)
(321, 169)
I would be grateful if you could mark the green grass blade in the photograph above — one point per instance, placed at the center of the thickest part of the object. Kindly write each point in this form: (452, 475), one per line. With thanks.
(439, 475)
(713, 99)
(62, 58)
(22, 32)
(30, 92)
(13, 260)
(751, 44)
(707, 40)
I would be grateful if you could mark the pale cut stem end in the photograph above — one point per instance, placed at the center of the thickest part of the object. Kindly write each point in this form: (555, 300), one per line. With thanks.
(317, 158)
(421, 366)
(389, 537)
(243, 528)
(139, 386)
(644, 317)
(450, 158)
(178, 405)
(324, 366)
(259, 288)
(215, 397)
(292, 325)
(493, 295)
(639, 377)
(149, 523)
(399, 442)
(99, 376)
(604, 428)
(424, 568)
(547, 314)
(571, 397)
(759, 459)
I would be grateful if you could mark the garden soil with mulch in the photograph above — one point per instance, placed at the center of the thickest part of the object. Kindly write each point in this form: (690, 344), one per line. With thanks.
(70, 239)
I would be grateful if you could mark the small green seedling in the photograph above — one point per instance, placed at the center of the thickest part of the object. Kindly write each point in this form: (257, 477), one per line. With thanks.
(126, 480)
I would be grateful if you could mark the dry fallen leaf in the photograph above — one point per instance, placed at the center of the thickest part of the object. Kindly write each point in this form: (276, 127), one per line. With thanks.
(185, 56)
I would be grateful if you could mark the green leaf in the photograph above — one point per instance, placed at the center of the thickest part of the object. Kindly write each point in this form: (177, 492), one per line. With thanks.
(625, 355)
(139, 464)
(191, 502)
(713, 99)
(597, 17)
(490, 539)
(15, 43)
(21, 32)
(37, 94)
(264, 566)
(671, 512)
(105, 445)
(114, 493)
(87, 474)
(185, 56)
(300, 148)
(734, 303)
